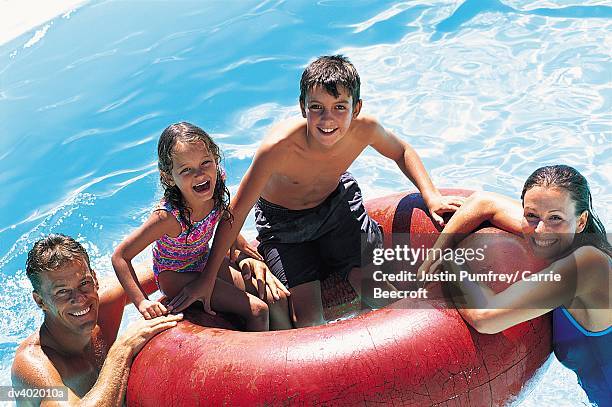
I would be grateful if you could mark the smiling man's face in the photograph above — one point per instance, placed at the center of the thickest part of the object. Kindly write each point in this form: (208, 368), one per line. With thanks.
(69, 297)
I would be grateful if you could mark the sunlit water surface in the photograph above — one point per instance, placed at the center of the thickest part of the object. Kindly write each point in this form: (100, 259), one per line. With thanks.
(486, 92)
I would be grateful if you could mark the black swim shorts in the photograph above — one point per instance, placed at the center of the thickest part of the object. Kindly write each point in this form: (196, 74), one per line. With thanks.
(306, 245)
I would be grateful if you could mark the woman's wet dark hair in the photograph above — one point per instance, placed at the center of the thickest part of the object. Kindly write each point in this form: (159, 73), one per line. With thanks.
(568, 178)
(188, 133)
(330, 71)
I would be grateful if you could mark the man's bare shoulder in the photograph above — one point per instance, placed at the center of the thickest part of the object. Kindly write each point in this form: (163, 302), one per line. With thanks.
(31, 364)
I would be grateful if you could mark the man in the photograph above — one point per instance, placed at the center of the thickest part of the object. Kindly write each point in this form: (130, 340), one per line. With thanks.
(77, 345)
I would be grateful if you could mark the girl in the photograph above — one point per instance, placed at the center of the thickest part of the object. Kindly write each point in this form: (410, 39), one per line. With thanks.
(557, 220)
(195, 198)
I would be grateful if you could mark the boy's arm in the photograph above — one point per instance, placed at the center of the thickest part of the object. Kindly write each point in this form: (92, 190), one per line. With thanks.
(411, 165)
(241, 249)
(265, 162)
(159, 223)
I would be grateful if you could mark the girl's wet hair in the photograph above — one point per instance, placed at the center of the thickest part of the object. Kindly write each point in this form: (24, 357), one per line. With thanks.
(568, 178)
(188, 133)
(331, 71)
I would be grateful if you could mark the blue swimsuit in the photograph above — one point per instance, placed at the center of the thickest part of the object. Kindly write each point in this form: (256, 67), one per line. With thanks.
(589, 354)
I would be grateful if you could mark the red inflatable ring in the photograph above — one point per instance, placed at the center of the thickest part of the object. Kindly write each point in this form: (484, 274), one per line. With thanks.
(404, 355)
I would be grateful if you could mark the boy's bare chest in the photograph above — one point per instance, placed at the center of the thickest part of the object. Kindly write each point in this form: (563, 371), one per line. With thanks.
(317, 172)
(306, 180)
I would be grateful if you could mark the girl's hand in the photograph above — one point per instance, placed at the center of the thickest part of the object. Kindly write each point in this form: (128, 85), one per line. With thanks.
(241, 245)
(192, 293)
(151, 309)
(263, 277)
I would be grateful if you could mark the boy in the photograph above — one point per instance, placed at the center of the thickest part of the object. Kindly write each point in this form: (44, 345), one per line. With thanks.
(309, 210)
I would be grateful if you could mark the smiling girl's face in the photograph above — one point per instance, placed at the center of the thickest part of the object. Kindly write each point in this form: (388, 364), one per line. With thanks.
(194, 172)
(550, 222)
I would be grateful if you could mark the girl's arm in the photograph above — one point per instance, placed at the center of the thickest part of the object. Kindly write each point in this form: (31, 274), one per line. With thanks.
(160, 223)
(113, 300)
(479, 207)
(490, 313)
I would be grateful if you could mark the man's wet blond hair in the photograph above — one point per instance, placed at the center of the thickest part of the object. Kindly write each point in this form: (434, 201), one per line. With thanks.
(51, 253)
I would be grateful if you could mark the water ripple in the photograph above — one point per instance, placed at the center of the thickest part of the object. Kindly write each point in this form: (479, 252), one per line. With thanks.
(90, 58)
(382, 16)
(63, 102)
(118, 103)
(97, 131)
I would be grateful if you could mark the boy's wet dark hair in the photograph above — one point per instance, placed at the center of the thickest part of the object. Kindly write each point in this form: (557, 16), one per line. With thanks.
(568, 178)
(330, 71)
(52, 252)
(188, 133)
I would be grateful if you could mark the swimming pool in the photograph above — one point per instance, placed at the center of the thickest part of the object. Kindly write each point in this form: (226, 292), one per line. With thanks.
(485, 92)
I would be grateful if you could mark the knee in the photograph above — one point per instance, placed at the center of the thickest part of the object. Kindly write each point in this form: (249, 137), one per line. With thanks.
(280, 306)
(260, 310)
(356, 277)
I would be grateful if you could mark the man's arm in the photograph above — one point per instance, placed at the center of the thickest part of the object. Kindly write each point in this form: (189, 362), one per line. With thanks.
(267, 159)
(33, 369)
(408, 161)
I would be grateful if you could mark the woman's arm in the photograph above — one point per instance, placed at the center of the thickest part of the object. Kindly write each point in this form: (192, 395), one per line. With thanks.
(479, 207)
(581, 273)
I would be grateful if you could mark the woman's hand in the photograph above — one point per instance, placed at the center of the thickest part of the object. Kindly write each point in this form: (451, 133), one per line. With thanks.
(258, 270)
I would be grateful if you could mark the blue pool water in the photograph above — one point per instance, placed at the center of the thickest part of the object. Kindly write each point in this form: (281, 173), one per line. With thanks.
(485, 91)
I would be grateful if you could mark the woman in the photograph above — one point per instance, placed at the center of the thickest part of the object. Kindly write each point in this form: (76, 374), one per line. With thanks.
(556, 218)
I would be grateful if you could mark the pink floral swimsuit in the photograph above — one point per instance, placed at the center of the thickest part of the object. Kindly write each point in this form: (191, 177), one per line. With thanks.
(187, 252)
